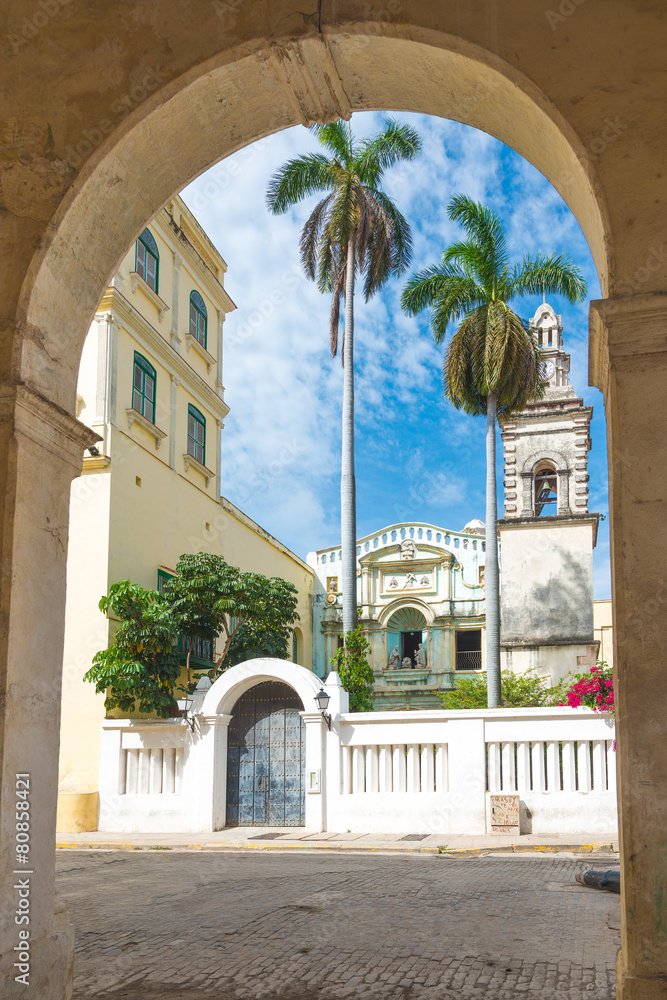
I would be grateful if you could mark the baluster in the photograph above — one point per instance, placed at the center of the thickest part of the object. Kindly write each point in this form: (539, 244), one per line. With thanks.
(385, 769)
(413, 767)
(569, 767)
(584, 765)
(143, 783)
(168, 771)
(611, 766)
(371, 769)
(427, 768)
(178, 771)
(441, 768)
(599, 775)
(155, 782)
(523, 767)
(346, 767)
(132, 771)
(400, 774)
(495, 784)
(539, 775)
(358, 771)
(507, 759)
(553, 767)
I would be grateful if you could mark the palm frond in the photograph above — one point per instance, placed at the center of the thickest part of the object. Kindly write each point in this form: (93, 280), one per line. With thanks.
(311, 234)
(335, 136)
(485, 228)
(297, 179)
(555, 273)
(396, 142)
(337, 292)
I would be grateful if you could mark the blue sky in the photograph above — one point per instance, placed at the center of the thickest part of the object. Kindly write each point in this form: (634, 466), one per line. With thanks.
(416, 456)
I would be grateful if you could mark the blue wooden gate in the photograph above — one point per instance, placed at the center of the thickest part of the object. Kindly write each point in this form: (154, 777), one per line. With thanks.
(266, 758)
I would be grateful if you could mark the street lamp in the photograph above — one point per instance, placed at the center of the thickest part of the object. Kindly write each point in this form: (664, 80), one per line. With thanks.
(184, 706)
(322, 700)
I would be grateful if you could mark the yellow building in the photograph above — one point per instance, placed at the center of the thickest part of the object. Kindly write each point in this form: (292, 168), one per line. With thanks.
(150, 384)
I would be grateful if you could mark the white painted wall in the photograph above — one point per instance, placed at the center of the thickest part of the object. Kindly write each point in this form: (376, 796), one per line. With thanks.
(381, 772)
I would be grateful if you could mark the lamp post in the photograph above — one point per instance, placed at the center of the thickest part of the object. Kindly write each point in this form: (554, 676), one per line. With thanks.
(322, 700)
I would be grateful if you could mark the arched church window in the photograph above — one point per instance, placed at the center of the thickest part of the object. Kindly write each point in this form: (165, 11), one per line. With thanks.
(333, 556)
(546, 491)
(402, 532)
(474, 544)
(393, 536)
(429, 535)
(456, 543)
(384, 538)
(438, 537)
(324, 560)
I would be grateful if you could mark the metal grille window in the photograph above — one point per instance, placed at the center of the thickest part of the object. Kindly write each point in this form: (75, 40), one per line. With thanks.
(147, 260)
(196, 434)
(143, 388)
(198, 317)
(202, 649)
(546, 492)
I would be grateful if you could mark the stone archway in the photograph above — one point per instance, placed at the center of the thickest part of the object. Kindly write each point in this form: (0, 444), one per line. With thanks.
(83, 169)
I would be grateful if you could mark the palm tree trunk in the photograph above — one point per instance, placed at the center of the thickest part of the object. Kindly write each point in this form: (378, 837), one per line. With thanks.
(348, 503)
(491, 575)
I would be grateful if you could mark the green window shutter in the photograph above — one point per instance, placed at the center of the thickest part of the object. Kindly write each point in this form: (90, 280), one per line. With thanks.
(198, 317)
(143, 387)
(147, 259)
(196, 434)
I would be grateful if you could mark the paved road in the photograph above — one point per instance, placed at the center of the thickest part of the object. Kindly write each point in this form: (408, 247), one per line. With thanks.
(247, 926)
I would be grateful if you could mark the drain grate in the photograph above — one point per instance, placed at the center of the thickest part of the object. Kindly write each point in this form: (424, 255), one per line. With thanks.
(269, 836)
(415, 836)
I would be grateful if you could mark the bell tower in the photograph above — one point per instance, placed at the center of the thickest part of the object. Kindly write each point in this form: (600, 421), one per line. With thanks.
(547, 535)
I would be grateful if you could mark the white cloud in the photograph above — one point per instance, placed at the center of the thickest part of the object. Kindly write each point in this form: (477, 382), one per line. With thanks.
(281, 443)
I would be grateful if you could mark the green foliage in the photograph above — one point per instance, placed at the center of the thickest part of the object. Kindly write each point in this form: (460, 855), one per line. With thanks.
(142, 664)
(355, 212)
(266, 630)
(207, 598)
(351, 664)
(492, 349)
(525, 690)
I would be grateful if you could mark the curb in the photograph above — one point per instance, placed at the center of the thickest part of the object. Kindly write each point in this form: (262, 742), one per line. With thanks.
(586, 849)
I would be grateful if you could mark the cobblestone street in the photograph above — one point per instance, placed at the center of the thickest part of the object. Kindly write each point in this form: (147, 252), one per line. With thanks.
(246, 926)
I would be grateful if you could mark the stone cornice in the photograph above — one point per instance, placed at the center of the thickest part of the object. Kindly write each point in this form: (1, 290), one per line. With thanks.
(623, 330)
(46, 423)
(552, 521)
(153, 342)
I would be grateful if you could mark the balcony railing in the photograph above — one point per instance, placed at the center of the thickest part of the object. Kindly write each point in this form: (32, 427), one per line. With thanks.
(469, 659)
(202, 649)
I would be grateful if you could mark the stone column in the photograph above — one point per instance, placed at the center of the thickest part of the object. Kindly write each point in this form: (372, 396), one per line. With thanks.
(41, 451)
(628, 362)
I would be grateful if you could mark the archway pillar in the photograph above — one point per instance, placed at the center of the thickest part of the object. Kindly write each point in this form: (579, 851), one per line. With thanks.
(316, 730)
(41, 451)
(206, 769)
(628, 362)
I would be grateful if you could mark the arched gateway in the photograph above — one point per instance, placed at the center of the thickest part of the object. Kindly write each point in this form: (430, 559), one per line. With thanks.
(266, 705)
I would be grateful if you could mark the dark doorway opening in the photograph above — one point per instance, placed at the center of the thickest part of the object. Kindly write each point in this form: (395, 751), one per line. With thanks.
(409, 645)
(469, 649)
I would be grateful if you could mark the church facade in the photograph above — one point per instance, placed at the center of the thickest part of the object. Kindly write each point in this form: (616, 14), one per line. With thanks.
(420, 587)
(420, 594)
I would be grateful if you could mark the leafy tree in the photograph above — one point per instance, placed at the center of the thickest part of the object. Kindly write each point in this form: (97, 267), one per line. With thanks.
(355, 228)
(207, 598)
(142, 664)
(351, 664)
(525, 690)
(492, 362)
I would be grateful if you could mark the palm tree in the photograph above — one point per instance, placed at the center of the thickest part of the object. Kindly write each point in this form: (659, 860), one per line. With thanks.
(491, 365)
(355, 228)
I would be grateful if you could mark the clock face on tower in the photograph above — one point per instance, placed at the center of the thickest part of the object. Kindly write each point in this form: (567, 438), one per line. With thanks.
(547, 370)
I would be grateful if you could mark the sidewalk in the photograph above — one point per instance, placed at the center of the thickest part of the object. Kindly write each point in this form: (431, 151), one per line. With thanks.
(284, 839)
